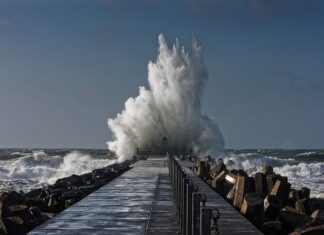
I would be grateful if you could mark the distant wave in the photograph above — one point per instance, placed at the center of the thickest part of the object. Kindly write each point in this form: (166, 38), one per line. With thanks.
(38, 169)
(300, 174)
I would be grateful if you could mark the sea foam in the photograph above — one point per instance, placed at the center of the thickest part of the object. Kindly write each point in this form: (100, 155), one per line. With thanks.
(170, 107)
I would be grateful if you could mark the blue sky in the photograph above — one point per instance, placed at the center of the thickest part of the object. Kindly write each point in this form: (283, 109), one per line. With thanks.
(66, 66)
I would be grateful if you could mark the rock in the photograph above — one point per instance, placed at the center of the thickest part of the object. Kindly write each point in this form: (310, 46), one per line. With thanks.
(73, 180)
(18, 210)
(302, 206)
(241, 172)
(261, 186)
(272, 205)
(42, 204)
(34, 193)
(87, 189)
(271, 227)
(318, 216)
(72, 194)
(230, 195)
(292, 219)
(316, 203)
(4, 209)
(266, 170)
(271, 180)
(218, 182)
(281, 189)
(13, 226)
(243, 186)
(12, 197)
(202, 170)
(218, 169)
(317, 230)
(56, 204)
(294, 195)
(306, 192)
(230, 178)
(35, 212)
(70, 202)
(234, 171)
(252, 208)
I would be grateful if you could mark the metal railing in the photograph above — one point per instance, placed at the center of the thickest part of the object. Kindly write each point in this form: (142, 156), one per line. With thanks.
(193, 215)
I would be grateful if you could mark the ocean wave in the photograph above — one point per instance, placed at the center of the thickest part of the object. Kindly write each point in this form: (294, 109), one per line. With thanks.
(39, 169)
(300, 174)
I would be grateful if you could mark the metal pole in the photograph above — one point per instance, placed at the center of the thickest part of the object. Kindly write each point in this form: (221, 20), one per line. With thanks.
(205, 221)
(196, 197)
(190, 190)
(184, 205)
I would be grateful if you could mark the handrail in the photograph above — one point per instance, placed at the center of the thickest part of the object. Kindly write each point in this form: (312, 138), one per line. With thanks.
(193, 215)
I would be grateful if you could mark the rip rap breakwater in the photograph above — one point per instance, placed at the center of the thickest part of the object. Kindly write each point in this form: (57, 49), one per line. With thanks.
(21, 212)
(265, 198)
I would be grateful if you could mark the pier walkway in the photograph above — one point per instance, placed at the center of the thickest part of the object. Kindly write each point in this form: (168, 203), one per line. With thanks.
(138, 202)
(230, 222)
(141, 201)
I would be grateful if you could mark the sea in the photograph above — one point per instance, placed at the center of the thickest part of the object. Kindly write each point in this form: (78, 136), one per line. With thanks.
(27, 169)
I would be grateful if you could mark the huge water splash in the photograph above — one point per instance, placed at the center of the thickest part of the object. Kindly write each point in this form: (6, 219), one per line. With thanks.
(170, 107)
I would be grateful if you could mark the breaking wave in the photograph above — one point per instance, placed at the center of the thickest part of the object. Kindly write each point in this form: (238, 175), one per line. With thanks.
(300, 174)
(39, 169)
(170, 107)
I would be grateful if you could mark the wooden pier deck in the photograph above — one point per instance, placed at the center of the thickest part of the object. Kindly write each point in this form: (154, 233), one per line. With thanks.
(138, 202)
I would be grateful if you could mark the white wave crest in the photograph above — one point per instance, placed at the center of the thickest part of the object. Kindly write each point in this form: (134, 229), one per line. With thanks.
(171, 107)
(300, 174)
(38, 169)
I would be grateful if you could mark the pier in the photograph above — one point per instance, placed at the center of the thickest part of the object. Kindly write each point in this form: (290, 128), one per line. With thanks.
(160, 195)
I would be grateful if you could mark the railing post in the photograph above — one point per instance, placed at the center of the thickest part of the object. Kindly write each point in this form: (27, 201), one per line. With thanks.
(196, 197)
(190, 190)
(184, 204)
(205, 221)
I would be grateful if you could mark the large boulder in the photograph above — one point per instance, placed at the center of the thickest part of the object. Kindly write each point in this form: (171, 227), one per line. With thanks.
(13, 226)
(252, 208)
(243, 186)
(73, 180)
(261, 186)
(292, 219)
(316, 230)
(218, 169)
(272, 206)
(271, 227)
(12, 197)
(281, 189)
(302, 206)
(266, 170)
(318, 216)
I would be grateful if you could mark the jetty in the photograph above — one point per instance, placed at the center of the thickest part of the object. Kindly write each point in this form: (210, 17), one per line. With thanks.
(159, 195)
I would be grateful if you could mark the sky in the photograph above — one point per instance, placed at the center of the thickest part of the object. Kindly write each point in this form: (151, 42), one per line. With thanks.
(68, 65)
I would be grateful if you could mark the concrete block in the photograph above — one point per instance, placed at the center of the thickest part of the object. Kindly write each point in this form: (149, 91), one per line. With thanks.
(252, 208)
(272, 205)
(243, 186)
(281, 189)
(261, 185)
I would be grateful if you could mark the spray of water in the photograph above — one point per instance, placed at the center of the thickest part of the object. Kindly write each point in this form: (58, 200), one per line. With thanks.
(170, 107)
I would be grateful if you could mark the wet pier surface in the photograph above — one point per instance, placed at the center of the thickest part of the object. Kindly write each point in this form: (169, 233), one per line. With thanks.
(230, 222)
(138, 202)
